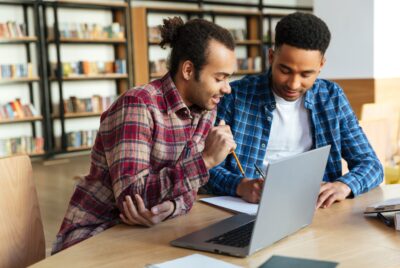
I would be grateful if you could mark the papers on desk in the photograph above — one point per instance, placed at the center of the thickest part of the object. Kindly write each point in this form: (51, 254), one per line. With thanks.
(193, 261)
(235, 204)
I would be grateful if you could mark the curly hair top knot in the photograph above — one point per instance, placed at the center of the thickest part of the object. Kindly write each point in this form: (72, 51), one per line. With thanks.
(170, 30)
(190, 41)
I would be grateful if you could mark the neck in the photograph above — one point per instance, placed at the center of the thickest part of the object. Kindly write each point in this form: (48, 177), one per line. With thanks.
(182, 86)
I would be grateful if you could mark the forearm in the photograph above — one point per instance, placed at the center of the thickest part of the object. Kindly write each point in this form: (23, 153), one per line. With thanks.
(223, 182)
(364, 175)
(188, 174)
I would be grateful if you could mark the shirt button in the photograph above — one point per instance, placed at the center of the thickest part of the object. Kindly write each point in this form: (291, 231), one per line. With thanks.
(273, 106)
(263, 145)
(269, 118)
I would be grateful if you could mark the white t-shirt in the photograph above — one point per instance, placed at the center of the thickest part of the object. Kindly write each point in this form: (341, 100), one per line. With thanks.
(290, 130)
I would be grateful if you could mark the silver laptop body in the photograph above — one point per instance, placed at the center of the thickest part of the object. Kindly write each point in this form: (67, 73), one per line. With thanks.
(287, 204)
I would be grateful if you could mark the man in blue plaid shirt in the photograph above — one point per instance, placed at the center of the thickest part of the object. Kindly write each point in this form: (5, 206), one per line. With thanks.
(287, 111)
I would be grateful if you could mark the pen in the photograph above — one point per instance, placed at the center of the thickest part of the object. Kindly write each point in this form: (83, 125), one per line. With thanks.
(260, 171)
(238, 163)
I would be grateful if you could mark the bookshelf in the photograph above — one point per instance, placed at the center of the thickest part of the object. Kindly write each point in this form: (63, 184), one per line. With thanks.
(64, 74)
(25, 83)
(144, 64)
(252, 49)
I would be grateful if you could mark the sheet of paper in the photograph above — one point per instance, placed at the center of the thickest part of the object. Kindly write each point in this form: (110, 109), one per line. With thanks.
(232, 203)
(389, 202)
(193, 261)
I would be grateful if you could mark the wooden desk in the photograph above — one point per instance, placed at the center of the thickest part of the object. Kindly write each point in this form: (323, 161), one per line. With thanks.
(340, 233)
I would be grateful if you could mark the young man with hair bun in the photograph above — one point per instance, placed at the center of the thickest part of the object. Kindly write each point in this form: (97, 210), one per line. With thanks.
(157, 142)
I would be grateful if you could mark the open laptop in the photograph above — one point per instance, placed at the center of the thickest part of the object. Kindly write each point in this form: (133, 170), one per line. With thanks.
(287, 204)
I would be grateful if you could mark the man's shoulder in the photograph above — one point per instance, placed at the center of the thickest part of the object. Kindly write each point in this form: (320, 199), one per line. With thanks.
(146, 94)
(324, 89)
(327, 87)
(249, 83)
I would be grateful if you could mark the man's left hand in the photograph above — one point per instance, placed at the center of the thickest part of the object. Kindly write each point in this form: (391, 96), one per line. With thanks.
(331, 192)
(140, 215)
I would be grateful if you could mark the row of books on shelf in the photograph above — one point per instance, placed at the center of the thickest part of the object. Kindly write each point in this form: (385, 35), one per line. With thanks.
(12, 29)
(238, 34)
(154, 34)
(21, 145)
(83, 138)
(95, 104)
(249, 64)
(243, 64)
(267, 37)
(16, 70)
(89, 31)
(70, 69)
(158, 66)
(16, 110)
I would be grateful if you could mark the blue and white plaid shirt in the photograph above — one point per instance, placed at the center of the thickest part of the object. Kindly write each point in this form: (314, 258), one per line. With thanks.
(248, 111)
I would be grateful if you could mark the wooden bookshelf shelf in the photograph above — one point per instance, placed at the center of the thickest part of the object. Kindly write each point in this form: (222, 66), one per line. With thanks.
(80, 148)
(248, 42)
(89, 40)
(18, 80)
(21, 120)
(16, 40)
(92, 77)
(154, 41)
(78, 115)
(91, 4)
(244, 72)
(156, 75)
(41, 153)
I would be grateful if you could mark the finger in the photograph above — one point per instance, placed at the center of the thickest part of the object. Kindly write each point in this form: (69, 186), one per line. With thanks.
(222, 123)
(161, 208)
(144, 213)
(324, 187)
(127, 212)
(322, 197)
(140, 205)
(329, 201)
(126, 221)
(135, 214)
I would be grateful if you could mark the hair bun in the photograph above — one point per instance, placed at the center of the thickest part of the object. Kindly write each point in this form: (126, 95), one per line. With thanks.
(169, 30)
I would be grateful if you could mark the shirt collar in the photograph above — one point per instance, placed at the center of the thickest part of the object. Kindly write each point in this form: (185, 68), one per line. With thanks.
(174, 99)
(271, 103)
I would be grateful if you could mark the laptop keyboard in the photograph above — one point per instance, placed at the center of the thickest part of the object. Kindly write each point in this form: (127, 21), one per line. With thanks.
(239, 237)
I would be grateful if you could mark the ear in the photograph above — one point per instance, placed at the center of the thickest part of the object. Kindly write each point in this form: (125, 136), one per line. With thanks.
(270, 55)
(323, 60)
(187, 70)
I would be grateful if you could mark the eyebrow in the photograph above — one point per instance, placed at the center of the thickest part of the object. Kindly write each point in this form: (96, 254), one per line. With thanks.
(223, 73)
(305, 71)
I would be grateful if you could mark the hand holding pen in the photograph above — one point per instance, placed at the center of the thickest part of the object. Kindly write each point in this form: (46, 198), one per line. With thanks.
(219, 143)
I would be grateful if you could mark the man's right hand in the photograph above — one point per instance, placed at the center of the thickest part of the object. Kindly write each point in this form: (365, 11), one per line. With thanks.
(250, 189)
(219, 143)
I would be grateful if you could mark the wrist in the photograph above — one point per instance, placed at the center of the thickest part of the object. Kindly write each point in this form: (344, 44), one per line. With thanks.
(239, 188)
(207, 162)
(345, 188)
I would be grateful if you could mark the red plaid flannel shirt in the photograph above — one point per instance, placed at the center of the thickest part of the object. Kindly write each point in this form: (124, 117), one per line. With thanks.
(149, 143)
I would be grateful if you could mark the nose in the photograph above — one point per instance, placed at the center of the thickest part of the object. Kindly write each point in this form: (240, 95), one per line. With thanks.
(294, 82)
(226, 88)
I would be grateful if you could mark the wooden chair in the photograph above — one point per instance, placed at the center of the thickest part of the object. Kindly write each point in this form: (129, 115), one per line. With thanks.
(390, 113)
(21, 230)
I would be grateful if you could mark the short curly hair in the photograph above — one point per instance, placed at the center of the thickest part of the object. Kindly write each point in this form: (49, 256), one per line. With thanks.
(302, 30)
(190, 40)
